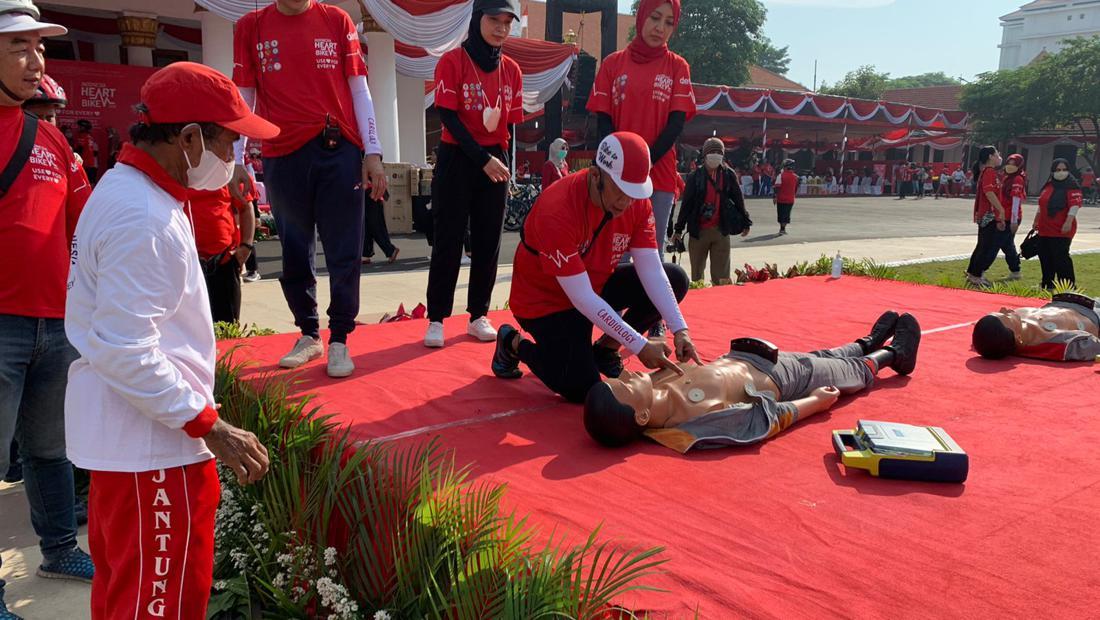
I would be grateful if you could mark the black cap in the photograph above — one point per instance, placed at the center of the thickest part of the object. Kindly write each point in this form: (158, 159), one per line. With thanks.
(496, 7)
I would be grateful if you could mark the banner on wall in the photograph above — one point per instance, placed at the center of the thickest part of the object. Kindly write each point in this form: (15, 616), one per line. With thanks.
(101, 93)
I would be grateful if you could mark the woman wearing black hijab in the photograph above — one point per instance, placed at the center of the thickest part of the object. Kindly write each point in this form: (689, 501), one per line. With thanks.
(479, 95)
(1056, 223)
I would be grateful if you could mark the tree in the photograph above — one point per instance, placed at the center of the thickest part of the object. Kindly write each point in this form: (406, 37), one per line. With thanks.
(1067, 88)
(1003, 105)
(1062, 91)
(863, 83)
(924, 80)
(718, 38)
(772, 58)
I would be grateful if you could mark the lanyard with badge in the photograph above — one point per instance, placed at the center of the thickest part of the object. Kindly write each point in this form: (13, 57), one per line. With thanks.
(490, 116)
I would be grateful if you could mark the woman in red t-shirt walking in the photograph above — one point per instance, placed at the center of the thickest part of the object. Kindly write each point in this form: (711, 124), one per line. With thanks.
(1056, 223)
(786, 188)
(646, 89)
(479, 94)
(989, 215)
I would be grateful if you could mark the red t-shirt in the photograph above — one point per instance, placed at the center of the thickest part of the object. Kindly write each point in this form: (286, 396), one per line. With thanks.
(211, 213)
(560, 226)
(87, 148)
(552, 173)
(462, 86)
(37, 218)
(714, 200)
(1014, 186)
(990, 181)
(905, 174)
(787, 188)
(1087, 179)
(639, 98)
(299, 66)
(1052, 226)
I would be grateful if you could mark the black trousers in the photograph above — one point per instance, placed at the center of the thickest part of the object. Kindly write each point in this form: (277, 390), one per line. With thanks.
(783, 212)
(561, 355)
(375, 230)
(223, 283)
(1007, 245)
(316, 191)
(461, 193)
(985, 252)
(1055, 261)
(904, 188)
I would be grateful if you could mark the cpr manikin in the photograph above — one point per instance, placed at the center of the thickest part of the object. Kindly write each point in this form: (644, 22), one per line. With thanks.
(1066, 329)
(748, 395)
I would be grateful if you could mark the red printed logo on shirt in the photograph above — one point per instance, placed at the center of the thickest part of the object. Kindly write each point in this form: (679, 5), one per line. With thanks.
(326, 54)
(268, 54)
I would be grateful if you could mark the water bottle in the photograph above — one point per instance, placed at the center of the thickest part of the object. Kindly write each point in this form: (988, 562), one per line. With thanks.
(838, 266)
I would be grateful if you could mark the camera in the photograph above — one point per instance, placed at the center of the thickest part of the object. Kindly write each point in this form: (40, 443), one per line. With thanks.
(675, 246)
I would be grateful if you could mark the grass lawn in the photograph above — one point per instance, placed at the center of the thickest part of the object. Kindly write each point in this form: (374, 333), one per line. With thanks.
(1087, 267)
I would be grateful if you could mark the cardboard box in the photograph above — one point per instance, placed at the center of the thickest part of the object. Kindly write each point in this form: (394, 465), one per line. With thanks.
(398, 210)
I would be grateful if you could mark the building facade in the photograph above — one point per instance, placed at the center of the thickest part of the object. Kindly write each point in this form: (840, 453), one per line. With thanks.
(1042, 26)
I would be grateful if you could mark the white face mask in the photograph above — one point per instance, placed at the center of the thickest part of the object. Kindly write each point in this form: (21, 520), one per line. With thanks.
(1009, 168)
(212, 172)
(1061, 175)
(713, 160)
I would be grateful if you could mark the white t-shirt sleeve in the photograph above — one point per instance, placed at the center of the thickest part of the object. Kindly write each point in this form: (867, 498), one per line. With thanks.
(578, 288)
(122, 343)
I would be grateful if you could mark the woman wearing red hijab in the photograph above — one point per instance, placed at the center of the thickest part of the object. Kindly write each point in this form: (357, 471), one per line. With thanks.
(1013, 196)
(646, 89)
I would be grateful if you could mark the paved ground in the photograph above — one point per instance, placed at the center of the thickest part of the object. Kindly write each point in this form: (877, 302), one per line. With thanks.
(879, 228)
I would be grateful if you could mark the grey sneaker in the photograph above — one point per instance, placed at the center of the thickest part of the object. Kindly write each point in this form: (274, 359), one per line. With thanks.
(1014, 276)
(339, 361)
(307, 348)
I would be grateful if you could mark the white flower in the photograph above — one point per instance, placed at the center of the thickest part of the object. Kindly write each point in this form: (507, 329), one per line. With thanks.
(382, 614)
(330, 556)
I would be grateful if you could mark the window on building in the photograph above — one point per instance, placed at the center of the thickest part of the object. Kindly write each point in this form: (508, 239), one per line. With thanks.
(937, 156)
(163, 58)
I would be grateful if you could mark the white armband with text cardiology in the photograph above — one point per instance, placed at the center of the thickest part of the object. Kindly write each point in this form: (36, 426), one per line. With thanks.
(364, 114)
(651, 271)
(579, 290)
(248, 93)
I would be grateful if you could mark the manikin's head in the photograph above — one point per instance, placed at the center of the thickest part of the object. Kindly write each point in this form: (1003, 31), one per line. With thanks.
(618, 410)
(1003, 333)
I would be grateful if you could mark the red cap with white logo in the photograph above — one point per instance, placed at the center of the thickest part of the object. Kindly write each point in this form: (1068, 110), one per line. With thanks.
(624, 156)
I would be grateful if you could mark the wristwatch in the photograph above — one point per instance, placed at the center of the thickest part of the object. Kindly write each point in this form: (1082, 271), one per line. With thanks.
(251, 248)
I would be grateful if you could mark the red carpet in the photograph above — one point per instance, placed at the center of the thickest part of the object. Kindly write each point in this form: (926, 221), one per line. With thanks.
(782, 530)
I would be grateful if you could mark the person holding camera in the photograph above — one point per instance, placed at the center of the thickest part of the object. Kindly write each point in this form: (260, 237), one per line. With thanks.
(569, 276)
(713, 208)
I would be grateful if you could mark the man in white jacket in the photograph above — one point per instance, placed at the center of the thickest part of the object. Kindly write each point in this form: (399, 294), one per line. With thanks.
(139, 409)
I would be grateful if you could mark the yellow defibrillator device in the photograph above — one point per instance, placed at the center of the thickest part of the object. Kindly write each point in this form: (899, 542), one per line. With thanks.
(902, 451)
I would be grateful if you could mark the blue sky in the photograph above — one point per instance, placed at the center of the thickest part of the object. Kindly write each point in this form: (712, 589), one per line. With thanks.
(901, 37)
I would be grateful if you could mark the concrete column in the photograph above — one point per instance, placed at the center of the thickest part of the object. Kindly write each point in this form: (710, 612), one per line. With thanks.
(139, 37)
(217, 42)
(410, 101)
(382, 68)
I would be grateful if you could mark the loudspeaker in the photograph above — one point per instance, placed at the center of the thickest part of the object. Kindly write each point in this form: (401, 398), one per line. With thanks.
(584, 74)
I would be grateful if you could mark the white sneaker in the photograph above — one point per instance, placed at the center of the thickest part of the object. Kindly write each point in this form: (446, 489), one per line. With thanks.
(465, 260)
(482, 329)
(339, 361)
(251, 276)
(434, 338)
(307, 348)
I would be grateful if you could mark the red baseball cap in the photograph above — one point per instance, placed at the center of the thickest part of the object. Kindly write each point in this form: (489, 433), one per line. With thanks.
(624, 156)
(187, 92)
